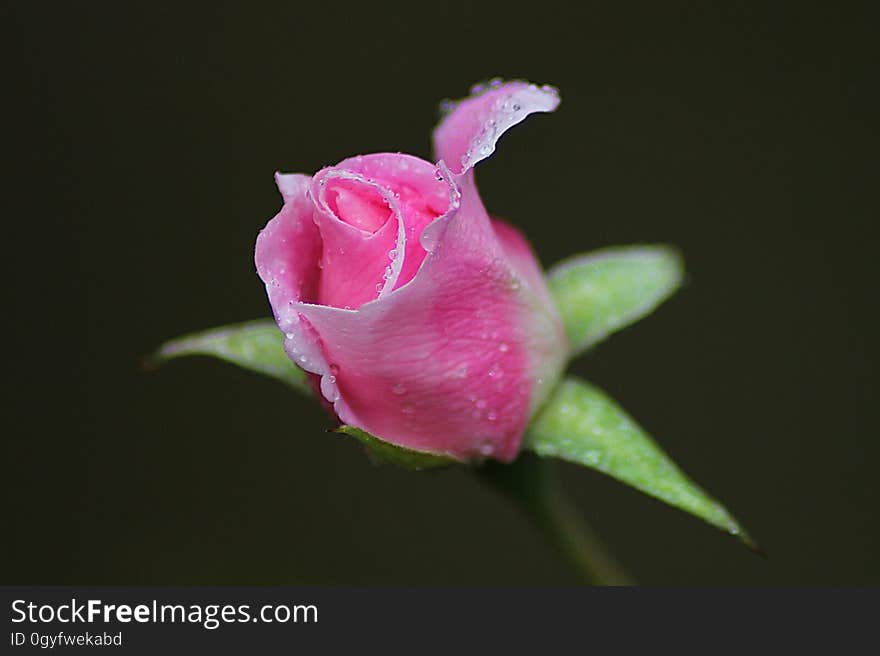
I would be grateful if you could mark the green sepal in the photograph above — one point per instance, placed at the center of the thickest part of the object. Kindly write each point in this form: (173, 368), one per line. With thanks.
(601, 292)
(385, 452)
(582, 425)
(253, 345)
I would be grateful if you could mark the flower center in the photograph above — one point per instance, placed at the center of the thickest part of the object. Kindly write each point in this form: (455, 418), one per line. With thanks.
(358, 205)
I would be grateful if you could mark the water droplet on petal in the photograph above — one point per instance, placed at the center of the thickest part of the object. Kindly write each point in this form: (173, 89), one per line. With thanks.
(492, 416)
(460, 372)
(503, 347)
(399, 389)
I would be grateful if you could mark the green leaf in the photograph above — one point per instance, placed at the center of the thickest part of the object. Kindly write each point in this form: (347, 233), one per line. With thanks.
(397, 455)
(254, 345)
(581, 424)
(604, 291)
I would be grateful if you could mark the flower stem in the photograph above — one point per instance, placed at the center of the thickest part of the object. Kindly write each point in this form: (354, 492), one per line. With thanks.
(531, 483)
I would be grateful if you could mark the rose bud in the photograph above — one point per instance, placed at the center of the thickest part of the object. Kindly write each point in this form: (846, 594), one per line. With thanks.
(426, 323)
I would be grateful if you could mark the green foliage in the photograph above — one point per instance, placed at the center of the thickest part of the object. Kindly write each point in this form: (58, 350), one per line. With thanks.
(581, 424)
(601, 292)
(253, 345)
(389, 453)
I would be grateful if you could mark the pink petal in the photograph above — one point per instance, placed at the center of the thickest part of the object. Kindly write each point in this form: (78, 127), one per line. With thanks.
(286, 252)
(547, 343)
(469, 132)
(288, 247)
(356, 263)
(523, 259)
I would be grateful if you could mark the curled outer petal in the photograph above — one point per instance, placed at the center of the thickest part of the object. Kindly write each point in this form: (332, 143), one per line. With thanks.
(472, 127)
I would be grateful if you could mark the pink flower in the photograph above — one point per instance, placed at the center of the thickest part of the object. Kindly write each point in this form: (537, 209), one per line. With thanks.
(427, 323)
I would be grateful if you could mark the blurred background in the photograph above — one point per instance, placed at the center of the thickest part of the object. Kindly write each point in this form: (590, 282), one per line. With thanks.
(142, 143)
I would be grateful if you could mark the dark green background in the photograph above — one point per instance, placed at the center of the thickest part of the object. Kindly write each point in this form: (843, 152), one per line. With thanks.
(143, 141)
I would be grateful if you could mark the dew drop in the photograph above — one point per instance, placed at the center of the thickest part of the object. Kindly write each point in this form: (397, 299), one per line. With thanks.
(334, 369)
(392, 253)
(492, 416)
(503, 347)
(460, 372)
(407, 410)
(399, 389)
(487, 449)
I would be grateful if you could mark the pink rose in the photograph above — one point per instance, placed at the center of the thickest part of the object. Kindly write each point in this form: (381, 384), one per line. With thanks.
(426, 322)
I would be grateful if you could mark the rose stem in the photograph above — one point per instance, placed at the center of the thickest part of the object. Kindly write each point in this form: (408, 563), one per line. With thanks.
(530, 482)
